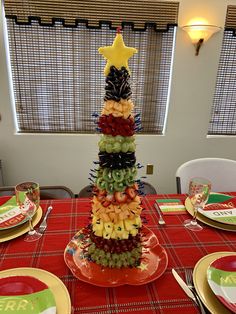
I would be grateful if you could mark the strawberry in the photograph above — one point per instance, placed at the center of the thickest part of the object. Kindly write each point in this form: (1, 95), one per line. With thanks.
(120, 197)
(131, 192)
(106, 203)
(110, 197)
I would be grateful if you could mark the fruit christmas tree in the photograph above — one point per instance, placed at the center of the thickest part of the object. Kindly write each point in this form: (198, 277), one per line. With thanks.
(115, 239)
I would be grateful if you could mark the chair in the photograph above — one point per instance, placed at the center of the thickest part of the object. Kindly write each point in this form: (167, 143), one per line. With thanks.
(221, 172)
(145, 188)
(46, 192)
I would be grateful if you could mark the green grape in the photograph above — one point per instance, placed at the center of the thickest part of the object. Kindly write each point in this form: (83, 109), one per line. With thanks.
(109, 148)
(115, 257)
(119, 138)
(102, 146)
(116, 147)
(132, 147)
(130, 139)
(119, 264)
(124, 147)
(110, 139)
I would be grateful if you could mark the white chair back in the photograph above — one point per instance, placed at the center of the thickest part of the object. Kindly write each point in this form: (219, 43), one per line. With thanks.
(221, 172)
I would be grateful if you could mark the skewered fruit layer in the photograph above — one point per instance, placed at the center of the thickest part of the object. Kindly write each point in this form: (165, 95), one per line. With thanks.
(113, 180)
(111, 125)
(116, 144)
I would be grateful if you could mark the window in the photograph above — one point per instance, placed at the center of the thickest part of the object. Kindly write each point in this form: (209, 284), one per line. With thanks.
(223, 114)
(57, 73)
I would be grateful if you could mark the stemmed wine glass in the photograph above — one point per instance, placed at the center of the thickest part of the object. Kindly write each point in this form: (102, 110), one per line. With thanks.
(27, 198)
(199, 191)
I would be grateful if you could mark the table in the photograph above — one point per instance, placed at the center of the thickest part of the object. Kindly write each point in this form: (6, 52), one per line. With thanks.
(184, 249)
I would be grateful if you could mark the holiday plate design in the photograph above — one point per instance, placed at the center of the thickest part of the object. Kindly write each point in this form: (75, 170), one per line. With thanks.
(153, 263)
(10, 215)
(26, 295)
(31, 281)
(221, 211)
(201, 284)
(214, 198)
(221, 277)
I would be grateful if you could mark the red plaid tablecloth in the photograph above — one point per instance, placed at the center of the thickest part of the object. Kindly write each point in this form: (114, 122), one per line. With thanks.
(184, 249)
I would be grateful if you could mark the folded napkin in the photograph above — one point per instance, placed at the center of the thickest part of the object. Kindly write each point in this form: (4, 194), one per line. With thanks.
(171, 206)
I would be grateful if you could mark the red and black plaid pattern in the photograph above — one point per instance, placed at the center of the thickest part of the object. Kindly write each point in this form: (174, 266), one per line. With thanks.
(184, 249)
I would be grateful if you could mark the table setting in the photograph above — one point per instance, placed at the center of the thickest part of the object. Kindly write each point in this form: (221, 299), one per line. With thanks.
(51, 268)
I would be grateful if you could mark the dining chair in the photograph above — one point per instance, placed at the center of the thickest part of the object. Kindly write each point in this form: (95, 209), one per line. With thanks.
(220, 171)
(46, 192)
(145, 188)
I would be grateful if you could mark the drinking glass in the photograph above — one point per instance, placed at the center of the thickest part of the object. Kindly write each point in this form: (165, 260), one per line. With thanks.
(27, 198)
(199, 191)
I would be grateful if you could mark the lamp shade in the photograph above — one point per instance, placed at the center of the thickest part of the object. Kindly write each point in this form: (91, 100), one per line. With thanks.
(200, 31)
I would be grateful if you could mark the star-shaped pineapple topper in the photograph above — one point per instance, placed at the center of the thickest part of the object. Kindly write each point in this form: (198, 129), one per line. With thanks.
(117, 54)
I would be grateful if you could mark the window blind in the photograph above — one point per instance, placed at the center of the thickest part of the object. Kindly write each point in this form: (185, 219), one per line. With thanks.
(57, 73)
(223, 113)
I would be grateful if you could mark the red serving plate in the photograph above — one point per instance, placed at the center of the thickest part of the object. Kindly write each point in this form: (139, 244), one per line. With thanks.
(153, 263)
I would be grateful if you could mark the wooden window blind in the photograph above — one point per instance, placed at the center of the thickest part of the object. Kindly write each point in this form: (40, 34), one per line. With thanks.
(57, 73)
(223, 113)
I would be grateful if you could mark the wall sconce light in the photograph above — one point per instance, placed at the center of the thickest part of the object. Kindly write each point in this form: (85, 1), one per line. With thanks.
(200, 33)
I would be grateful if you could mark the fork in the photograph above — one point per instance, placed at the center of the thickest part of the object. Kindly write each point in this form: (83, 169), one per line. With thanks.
(189, 280)
(43, 225)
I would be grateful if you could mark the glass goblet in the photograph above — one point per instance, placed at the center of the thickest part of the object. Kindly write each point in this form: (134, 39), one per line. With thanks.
(199, 191)
(27, 198)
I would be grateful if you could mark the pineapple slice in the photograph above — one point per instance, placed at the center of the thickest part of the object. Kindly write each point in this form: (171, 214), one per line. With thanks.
(129, 224)
(138, 221)
(125, 235)
(108, 226)
(106, 235)
(119, 228)
(133, 232)
(97, 224)
(113, 235)
(98, 233)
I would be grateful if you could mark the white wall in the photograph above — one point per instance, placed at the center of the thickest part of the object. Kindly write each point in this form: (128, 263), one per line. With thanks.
(66, 159)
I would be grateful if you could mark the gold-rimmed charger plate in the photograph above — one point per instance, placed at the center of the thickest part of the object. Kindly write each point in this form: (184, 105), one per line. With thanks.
(202, 287)
(59, 290)
(208, 221)
(15, 232)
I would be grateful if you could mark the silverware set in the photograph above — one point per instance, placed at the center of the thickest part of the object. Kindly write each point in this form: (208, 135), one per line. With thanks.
(189, 288)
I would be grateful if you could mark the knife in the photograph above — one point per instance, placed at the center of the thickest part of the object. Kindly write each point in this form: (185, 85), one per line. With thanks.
(188, 291)
(183, 285)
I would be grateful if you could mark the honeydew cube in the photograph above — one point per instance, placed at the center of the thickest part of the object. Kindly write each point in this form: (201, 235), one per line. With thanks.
(106, 235)
(108, 226)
